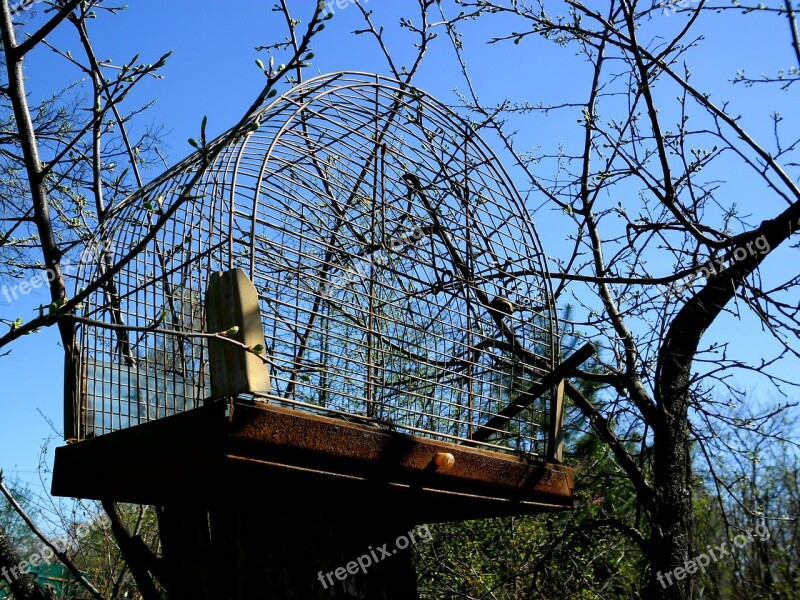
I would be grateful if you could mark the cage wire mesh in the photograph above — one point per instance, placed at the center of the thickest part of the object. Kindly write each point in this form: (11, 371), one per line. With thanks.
(383, 237)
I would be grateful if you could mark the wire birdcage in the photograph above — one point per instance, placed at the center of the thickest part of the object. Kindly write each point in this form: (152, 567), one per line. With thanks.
(400, 279)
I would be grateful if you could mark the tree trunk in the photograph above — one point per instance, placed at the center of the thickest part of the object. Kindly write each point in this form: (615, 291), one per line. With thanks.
(672, 516)
(672, 526)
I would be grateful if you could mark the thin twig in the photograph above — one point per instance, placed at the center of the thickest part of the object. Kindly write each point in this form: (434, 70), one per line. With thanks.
(59, 554)
(171, 332)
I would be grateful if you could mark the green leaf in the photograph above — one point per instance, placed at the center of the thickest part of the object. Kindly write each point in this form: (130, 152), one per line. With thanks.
(193, 143)
(260, 64)
(272, 93)
(257, 349)
(232, 331)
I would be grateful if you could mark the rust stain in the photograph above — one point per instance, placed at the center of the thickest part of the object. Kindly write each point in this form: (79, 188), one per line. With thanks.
(188, 455)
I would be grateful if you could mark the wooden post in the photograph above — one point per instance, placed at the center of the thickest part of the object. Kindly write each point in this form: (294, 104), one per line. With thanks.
(555, 439)
(73, 398)
(186, 548)
(232, 301)
(267, 545)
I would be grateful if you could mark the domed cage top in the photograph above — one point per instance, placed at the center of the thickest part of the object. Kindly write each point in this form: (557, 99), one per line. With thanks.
(400, 281)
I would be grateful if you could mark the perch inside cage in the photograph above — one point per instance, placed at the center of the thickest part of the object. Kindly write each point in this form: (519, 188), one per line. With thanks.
(405, 327)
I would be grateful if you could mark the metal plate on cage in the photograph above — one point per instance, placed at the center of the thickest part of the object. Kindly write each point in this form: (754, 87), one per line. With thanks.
(199, 454)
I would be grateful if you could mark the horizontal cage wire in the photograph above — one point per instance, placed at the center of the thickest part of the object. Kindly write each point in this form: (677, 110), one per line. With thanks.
(382, 236)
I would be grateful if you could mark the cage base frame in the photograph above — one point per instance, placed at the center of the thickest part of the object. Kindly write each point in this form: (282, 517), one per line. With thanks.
(199, 454)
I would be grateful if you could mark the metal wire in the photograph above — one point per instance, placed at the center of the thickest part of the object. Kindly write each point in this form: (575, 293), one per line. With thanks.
(377, 227)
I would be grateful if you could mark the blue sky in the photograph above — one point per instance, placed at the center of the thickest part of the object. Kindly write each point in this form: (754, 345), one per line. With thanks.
(212, 72)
